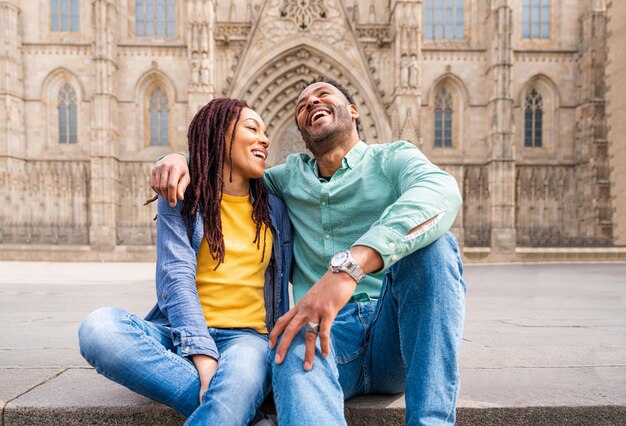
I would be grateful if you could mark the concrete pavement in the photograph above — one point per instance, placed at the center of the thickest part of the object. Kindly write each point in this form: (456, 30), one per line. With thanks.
(543, 344)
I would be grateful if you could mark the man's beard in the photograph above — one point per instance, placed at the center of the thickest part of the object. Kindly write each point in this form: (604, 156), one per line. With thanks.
(333, 136)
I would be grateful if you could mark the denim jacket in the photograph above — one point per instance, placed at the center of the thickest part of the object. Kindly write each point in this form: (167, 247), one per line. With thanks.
(178, 304)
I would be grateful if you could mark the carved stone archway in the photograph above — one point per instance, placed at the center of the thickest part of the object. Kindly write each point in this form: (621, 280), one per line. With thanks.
(273, 90)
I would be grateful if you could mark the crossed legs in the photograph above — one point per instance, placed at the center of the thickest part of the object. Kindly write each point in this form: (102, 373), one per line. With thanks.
(141, 356)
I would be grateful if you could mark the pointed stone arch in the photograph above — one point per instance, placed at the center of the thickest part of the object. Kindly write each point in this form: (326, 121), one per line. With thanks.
(454, 82)
(154, 77)
(545, 85)
(273, 87)
(146, 84)
(50, 88)
(551, 104)
(57, 78)
(459, 101)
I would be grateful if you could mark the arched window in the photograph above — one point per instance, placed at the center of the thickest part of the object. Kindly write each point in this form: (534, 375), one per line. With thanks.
(533, 120)
(158, 118)
(67, 115)
(536, 19)
(443, 119)
(444, 19)
(64, 15)
(155, 18)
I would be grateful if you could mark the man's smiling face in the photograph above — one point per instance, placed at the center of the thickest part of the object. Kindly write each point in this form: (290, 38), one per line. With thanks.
(323, 112)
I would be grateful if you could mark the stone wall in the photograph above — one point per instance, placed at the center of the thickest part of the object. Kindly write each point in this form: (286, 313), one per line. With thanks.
(616, 117)
(568, 192)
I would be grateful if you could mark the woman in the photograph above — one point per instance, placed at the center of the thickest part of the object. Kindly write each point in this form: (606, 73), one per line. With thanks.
(223, 262)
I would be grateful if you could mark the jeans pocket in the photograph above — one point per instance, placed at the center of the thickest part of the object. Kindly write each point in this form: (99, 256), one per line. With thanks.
(348, 332)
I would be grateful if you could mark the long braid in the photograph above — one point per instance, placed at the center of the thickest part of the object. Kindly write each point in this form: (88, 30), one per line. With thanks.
(207, 146)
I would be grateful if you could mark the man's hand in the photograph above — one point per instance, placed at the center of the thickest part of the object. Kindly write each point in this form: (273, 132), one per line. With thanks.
(320, 305)
(206, 367)
(170, 177)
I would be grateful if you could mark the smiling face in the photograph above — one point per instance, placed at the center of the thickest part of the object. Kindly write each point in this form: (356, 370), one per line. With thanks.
(249, 147)
(325, 117)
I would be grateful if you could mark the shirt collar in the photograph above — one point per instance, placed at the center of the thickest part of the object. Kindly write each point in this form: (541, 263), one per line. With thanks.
(355, 155)
(351, 159)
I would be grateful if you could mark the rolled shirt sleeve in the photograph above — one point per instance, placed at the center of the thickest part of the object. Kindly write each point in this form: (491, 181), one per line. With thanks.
(424, 192)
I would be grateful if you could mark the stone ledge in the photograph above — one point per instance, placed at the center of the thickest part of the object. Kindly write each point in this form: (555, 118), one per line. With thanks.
(79, 396)
(371, 410)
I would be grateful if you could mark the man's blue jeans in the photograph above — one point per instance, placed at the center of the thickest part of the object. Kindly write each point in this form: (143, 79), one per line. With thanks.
(140, 355)
(409, 340)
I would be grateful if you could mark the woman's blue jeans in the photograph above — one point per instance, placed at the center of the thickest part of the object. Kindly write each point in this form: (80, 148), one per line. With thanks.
(140, 355)
(409, 340)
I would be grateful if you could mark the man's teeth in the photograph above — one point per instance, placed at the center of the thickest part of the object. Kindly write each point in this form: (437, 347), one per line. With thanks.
(259, 154)
(319, 114)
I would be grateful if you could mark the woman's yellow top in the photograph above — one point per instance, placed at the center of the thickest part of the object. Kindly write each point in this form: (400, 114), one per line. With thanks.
(232, 295)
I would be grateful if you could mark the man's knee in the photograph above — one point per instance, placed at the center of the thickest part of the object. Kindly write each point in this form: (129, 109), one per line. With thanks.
(445, 249)
(441, 257)
(293, 363)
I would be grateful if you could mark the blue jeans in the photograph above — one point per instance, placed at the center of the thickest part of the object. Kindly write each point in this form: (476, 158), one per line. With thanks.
(140, 355)
(409, 340)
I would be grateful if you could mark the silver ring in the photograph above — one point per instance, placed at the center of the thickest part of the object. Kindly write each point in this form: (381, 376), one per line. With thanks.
(313, 327)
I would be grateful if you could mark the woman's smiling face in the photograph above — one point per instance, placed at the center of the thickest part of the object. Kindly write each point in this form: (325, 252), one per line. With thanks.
(249, 147)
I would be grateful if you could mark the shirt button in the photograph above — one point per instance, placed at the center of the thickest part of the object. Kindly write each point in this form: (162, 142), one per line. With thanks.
(392, 246)
(186, 349)
(323, 203)
(327, 236)
(394, 257)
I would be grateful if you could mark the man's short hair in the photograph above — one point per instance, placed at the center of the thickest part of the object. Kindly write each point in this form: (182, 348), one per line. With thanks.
(344, 91)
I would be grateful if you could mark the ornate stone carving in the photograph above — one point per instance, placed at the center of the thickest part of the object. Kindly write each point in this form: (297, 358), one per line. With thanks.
(548, 211)
(52, 206)
(57, 49)
(135, 224)
(374, 33)
(277, 28)
(200, 47)
(267, 92)
(474, 55)
(535, 56)
(230, 31)
(304, 12)
(129, 50)
(476, 215)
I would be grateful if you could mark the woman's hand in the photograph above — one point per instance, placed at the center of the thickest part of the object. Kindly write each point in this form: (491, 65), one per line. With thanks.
(206, 367)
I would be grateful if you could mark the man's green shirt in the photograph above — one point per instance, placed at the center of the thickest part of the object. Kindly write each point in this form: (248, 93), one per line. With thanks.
(380, 193)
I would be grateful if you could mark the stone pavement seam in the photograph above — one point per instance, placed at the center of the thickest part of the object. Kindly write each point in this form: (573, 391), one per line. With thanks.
(30, 389)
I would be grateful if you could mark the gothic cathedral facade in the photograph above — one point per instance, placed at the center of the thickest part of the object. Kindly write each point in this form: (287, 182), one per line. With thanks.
(506, 95)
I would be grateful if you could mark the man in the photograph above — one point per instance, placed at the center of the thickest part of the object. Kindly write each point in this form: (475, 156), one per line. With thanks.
(377, 276)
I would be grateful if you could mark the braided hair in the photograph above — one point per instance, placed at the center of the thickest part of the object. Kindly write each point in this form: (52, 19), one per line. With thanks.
(207, 149)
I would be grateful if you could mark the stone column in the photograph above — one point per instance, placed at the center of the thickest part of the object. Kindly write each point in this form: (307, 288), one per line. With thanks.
(500, 138)
(616, 114)
(407, 53)
(12, 130)
(104, 135)
(201, 51)
(592, 170)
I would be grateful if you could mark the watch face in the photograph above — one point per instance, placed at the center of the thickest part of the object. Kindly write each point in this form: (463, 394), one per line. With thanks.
(339, 258)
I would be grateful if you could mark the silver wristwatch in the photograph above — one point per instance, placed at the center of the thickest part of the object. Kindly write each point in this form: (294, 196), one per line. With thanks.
(343, 261)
